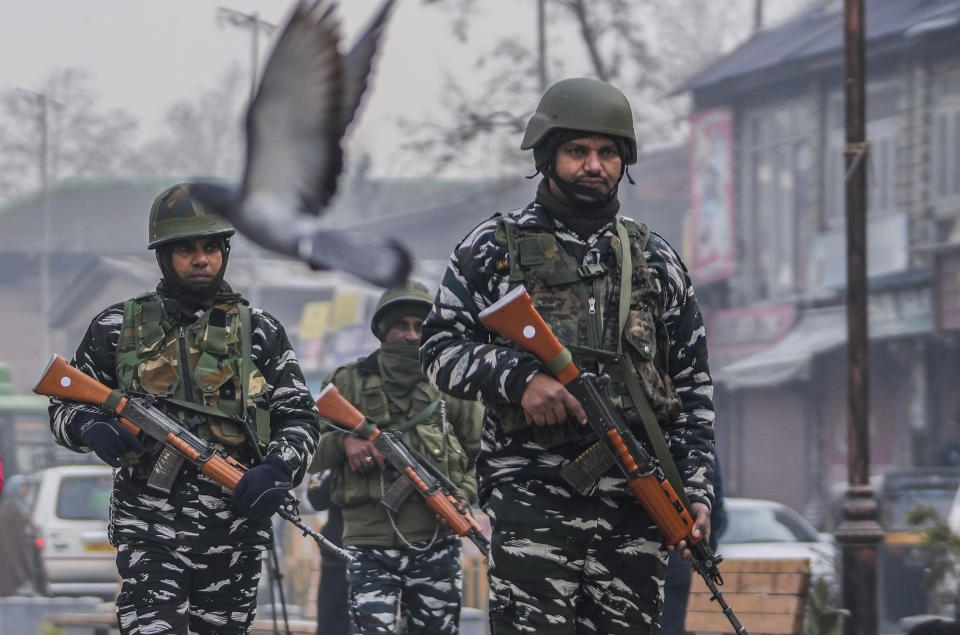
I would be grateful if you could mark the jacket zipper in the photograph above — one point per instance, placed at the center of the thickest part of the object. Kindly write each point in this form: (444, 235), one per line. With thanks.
(594, 325)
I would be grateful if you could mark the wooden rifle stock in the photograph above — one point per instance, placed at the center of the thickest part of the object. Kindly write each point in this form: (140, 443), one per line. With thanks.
(334, 406)
(63, 381)
(515, 317)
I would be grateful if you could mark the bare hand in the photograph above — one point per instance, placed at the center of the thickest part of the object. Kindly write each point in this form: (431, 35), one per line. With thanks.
(361, 455)
(546, 402)
(701, 529)
(459, 502)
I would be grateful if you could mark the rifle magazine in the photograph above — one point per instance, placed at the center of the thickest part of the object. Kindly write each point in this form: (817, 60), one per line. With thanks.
(397, 494)
(582, 472)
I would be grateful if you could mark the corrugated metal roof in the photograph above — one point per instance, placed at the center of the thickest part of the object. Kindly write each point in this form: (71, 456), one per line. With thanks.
(818, 31)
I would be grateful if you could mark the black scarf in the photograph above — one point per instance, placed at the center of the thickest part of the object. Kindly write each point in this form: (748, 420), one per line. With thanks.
(582, 220)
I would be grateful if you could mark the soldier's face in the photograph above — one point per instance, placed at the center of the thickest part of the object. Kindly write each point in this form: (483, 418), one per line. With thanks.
(197, 261)
(406, 329)
(592, 162)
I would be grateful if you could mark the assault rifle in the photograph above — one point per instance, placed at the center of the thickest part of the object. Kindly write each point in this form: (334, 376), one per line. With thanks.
(334, 406)
(515, 317)
(141, 415)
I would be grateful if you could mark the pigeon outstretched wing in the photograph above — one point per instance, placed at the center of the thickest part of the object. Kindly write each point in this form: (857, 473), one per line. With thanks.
(307, 96)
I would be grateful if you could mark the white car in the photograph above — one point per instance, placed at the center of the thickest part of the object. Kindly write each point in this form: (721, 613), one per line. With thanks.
(69, 508)
(764, 529)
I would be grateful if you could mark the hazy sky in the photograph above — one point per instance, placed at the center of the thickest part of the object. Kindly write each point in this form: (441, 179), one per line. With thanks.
(145, 55)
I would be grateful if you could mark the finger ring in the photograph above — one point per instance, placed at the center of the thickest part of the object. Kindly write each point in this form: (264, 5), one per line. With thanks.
(368, 458)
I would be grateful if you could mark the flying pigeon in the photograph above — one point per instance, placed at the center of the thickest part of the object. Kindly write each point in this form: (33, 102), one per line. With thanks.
(307, 96)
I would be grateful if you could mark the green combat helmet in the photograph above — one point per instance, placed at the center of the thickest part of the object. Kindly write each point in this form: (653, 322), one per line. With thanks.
(580, 103)
(412, 298)
(175, 216)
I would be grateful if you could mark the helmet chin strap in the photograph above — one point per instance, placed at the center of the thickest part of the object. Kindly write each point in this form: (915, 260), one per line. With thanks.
(575, 192)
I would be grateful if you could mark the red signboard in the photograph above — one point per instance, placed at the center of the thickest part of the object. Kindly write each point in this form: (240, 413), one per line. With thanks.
(711, 195)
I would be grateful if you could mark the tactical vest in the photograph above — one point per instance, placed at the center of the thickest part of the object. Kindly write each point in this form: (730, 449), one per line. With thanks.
(581, 304)
(432, 439)
(204, 369)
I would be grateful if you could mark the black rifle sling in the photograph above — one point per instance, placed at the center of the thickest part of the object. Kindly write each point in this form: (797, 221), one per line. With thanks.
(637, 396)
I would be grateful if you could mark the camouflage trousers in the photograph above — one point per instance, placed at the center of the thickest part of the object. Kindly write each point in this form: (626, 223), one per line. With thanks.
(426, 586)
(165, 591)
(561, 563)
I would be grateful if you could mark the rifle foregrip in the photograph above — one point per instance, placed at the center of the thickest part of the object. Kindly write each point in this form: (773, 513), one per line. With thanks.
(226, 472)
(443, 508)
(440, 505)
(664, 507)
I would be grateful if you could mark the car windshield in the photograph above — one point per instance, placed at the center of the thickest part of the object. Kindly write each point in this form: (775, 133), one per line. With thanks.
(766, 524)
(84, 497)
(900, 503)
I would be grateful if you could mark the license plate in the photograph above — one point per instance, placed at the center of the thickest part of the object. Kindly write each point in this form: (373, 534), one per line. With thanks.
(99, 546)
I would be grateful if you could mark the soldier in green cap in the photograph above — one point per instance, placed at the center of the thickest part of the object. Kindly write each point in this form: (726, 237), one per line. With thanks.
(405, 559)
(188, 550)
(585, 559)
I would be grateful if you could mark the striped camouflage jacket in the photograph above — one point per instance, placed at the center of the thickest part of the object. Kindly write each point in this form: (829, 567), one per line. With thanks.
(458, 355)
(197, 516)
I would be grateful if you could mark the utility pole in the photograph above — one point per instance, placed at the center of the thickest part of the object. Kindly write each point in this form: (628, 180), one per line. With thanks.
(859, 534)
(542, 44)
(252, 23)
(43, 105)
(757, 15)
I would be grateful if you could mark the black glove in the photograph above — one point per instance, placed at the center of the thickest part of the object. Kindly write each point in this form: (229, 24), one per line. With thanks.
(108, 438)
(263, 487)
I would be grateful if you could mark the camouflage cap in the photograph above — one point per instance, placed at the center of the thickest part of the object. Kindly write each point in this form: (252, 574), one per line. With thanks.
(175, 215)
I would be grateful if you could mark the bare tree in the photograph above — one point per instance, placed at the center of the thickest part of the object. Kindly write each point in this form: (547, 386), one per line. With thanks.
(645, 47)
(83, 140)
(202, 137)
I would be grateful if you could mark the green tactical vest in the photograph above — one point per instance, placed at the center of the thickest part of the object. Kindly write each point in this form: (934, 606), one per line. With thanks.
(203, 368)
(575, 301)
(433, 439)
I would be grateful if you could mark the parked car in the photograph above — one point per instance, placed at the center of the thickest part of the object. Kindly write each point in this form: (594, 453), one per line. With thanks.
(903, 563)
(765, 529)
(69, 508)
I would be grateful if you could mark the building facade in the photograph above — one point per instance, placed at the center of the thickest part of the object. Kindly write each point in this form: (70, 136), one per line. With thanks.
(767, 244)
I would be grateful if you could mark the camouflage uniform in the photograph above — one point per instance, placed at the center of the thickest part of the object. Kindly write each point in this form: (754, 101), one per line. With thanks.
(559, 560)
(408, 559)
(193, 536)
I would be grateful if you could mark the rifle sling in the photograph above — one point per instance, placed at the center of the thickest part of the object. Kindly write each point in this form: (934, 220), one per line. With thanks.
(420, 417)
(652, 428)
(637, 396)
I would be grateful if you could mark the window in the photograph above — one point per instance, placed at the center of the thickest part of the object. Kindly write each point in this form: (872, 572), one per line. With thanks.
(882, 160)
(778, 193)
(945, 166)
(84, 497)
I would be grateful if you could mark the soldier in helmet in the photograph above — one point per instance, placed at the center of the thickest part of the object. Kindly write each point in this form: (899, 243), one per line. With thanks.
(563, 561)
(190, 557)
(407, 559)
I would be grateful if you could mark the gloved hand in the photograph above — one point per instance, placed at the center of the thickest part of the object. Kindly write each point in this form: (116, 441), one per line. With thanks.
(108, 438)
(263, 487)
